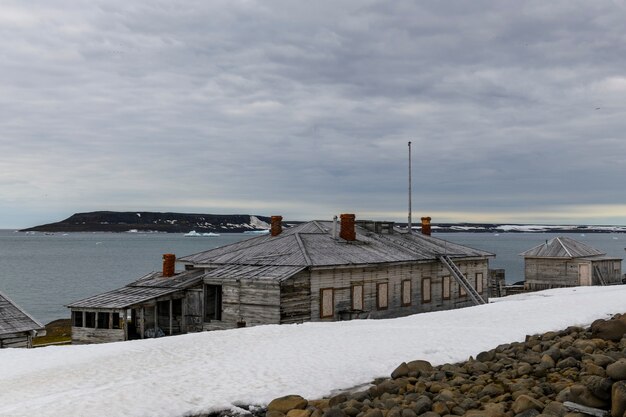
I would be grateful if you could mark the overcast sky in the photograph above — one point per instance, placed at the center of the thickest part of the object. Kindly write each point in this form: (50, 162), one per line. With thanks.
(516, 110)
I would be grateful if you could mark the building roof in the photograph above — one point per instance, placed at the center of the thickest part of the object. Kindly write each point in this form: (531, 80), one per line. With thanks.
(253, 272)
(562, 247)
(15, 320)
(146, 288)
(313, 244)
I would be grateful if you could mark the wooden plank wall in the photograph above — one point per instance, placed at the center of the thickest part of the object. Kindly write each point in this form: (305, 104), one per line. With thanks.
(295, 299)
(256, 302)
(341, 281)
(611, 271)
(542, 274)
(85, 335)
(15, 340)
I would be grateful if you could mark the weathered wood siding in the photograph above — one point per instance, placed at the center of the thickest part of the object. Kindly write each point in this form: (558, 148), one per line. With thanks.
(342, 280)
(543, 273)
(611, 271)
(85, 335)
(295, 299)
(254, 302)
(16, 340)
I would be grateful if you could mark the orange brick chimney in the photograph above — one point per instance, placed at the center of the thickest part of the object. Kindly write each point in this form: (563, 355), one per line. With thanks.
(347, 231)
(277, 225)
(169, 264)
(426, 226)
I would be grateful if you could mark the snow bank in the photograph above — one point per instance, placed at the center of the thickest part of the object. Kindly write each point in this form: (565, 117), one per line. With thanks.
(204, 372)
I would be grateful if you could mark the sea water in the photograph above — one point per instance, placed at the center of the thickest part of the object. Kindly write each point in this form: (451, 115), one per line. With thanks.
(44, 272)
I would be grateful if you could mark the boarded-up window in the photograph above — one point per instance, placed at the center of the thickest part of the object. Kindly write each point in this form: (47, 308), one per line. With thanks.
(77, 318)
(445, 282)
(382, 296)
(406, 292)
(462, 292)
(327, 301)
(617, 268)
(357, 297)
(426, 290)
(479, 282)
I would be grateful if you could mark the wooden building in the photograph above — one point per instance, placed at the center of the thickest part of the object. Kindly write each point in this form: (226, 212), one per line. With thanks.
(326, 271)
(315, 271)
(157, 304)
(565, 262)
(17, 328)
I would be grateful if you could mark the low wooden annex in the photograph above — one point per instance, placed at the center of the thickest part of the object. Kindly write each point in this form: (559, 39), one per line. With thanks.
(17, 327)
(565, 262)
(315, 271)
(157, 304)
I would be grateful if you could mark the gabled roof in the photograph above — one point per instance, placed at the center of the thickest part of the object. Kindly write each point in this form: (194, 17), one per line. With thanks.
(313, 244)
(146, 288)
(562, 247)
(15, 320)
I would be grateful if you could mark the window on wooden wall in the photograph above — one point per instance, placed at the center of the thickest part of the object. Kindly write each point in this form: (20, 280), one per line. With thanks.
(462, 292)
(382, 296)
(327, 303)
(357, 297)
(116, 323)
(479, 282)
(617, 268)
(90, 319)
(103, 320)
(426, 290)
(77, 318)
(445, 290)
(406, 292)
(212, 302)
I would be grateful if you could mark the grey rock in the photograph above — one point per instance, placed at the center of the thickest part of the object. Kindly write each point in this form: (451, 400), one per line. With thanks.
(336, 412)
(422, 405)
(617, 370)
(618, 399)
(401, 371)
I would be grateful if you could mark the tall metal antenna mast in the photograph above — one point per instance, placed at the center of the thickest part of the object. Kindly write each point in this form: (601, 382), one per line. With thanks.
(409, 223)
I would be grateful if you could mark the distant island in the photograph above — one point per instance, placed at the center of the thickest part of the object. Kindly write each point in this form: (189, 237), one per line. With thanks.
(146, 221)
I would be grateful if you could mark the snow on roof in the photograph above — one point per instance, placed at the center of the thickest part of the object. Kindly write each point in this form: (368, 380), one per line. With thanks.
(562, 247)
(210, 371)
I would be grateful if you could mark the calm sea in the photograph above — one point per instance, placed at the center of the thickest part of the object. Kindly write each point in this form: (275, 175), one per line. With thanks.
(42, 273)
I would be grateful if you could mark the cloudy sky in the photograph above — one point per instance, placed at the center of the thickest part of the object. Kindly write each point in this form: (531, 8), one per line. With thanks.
(516, 109)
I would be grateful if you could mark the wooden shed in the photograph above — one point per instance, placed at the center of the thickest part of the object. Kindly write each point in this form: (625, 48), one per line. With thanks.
(17, 327)
(327, 271)
(157, 304)
(565, 262)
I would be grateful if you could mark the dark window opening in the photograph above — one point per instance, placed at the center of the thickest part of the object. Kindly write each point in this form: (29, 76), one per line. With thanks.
(90, 319)
(213, 302)
(117, 323)
(77, 318)
(103, 320)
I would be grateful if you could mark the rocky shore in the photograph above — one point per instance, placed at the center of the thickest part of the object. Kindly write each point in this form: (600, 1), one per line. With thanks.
(569, 373)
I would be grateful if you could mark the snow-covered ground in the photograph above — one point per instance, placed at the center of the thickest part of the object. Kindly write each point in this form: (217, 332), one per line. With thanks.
(176, 376)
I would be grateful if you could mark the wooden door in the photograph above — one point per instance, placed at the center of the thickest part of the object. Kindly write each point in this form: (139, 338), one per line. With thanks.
(584, 274)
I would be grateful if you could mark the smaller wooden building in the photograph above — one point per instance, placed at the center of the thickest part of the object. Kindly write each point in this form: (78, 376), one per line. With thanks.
(157, 304)
(17, 327)
(565, 262)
